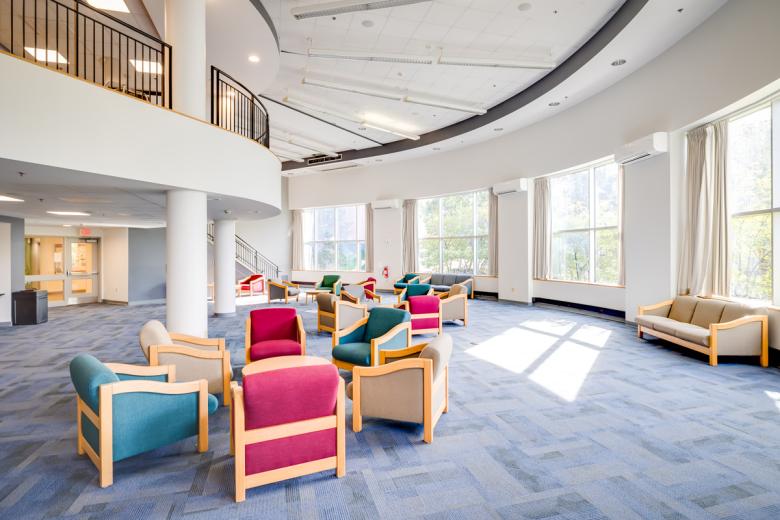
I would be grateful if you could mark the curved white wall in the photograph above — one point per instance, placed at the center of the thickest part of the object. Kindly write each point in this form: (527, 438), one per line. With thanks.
(53, 119)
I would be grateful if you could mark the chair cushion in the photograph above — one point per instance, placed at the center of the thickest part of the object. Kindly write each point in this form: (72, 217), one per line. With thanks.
(707, 311)
(329, 280)
(682, 308)
(153, 333)
(440, 288)
(274, 348)
(382, 319)
(293, 291)
(417, 289)
(87, 374)
(274, 323)
(734, 311)
(355, 353)
(659, 323)
(693, 333)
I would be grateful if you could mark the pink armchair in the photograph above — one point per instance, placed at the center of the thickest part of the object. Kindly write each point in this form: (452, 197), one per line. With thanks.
(272, 333)
(426, 313)
(252, 284)
(287, 421)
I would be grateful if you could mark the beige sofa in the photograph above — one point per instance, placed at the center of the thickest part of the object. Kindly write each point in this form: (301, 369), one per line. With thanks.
(712, 326)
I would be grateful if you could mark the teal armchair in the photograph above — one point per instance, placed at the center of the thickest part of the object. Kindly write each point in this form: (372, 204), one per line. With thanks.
(331, 282)
(364, 342)
(125, 410)
(417, 289)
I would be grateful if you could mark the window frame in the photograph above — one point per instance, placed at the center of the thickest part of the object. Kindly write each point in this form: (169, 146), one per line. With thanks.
(593, 228)
(360, 253)
(441, 238)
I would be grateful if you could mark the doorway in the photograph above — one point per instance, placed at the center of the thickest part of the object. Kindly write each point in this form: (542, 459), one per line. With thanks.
(65, 267)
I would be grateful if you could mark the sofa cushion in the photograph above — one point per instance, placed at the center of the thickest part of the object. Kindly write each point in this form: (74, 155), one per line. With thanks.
(440, 288)
(707, 311)
(682, 308)
(436, 279)
(460, 278)
(355, 353)
(659, 323)
(693, 333)
(274, 348)
(733, 311)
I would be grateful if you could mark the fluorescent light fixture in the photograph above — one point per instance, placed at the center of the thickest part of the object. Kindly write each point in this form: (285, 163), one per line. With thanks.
(395, 96)
(288, 157)
(110, 5)
(7, 198)
(346, 6)
(47, 55)
(421, 59)
(389, 131)
(146, 67)
(69, 213)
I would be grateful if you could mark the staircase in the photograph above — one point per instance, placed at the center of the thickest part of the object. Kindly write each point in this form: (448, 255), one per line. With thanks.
(248, 257)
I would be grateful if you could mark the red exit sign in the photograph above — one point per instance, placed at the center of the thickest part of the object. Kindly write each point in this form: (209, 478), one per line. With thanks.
(85, 232)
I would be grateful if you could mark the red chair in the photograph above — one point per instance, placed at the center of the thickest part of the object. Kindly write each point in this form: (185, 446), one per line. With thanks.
(274, 332)
(426, 313)
(369, 286)
(287, 421)
(252, 284)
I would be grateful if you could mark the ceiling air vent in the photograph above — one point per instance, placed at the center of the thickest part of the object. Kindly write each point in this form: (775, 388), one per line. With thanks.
(321, 159)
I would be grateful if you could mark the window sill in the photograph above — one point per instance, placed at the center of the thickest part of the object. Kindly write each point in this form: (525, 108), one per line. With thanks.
(608, 286)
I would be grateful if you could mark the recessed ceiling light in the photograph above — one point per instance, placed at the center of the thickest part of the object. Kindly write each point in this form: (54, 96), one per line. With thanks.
(7, 198)
(618, 63)
(69, 213)
(554, 103)
(498, 129)
(254, 58)
(524, 6)
(379, 160)
(367, 23)
(110, 5)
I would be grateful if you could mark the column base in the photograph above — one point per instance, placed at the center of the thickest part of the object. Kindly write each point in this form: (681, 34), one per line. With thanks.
(223, 314)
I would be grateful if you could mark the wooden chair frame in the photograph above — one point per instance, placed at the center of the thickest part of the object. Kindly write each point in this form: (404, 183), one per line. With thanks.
(430, 416)
(300, 336)
(103, 420)
(220, 353)
(240, 437)
(446, 299)
(245, 281)
(375, 342)
(371, 295)
(337, 314)
(285, 286)
(712, 350)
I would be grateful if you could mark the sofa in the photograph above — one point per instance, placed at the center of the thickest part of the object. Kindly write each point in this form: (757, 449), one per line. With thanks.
(711, 326)
(443, 283)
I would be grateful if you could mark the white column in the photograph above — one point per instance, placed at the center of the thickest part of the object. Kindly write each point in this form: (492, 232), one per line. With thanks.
(185, 31)
(224, 267)
(187, 263)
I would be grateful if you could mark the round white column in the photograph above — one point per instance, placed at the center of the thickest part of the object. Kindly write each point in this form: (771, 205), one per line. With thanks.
(185, 31)
(224, 267)
(187, 263)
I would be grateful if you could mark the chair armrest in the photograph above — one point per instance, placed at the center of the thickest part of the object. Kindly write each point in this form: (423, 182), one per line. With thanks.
(742, 336)
(443, 295)
(389, 368)
(454, 298)
(349, 298)
(657, 309)
(158, 387)
(144, 371)
(388, 356)
(376, 343)
(415, 279)
(202, 342)
(301, 333)
(374, 296)
(345, 333)
(291, 284)
(279, 285)
(402, 305)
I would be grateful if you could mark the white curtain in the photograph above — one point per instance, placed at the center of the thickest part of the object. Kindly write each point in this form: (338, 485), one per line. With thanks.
(704, 257)
(493, 234)
(542, 228)
(621, 224)
(297, 240)
(369, 239)
(410, 236)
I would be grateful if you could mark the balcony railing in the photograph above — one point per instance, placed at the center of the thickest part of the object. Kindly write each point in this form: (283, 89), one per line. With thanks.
(235, 108)
(74, 38)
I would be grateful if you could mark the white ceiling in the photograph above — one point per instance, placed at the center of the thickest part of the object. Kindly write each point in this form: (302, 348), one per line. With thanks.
(548, 31)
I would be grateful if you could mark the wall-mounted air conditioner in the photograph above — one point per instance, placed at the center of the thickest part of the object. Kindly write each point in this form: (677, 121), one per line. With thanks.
(654, 144)
(386, 204)
(512, 186)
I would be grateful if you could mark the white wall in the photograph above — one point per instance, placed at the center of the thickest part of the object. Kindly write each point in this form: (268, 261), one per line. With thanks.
(5, 273)
(272, 236)
(514, 246)
(114, 269)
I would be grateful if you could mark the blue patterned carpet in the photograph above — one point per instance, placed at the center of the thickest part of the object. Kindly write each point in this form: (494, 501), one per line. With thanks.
(552, 415)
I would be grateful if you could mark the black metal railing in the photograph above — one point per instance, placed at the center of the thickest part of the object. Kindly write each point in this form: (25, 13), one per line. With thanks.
(248, 256)
(235, 108)
(81, 41)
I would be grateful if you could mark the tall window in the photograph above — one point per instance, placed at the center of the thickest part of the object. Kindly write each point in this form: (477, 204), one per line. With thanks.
(453, 234)
(334, 239)
(585, 211)
(752, 206)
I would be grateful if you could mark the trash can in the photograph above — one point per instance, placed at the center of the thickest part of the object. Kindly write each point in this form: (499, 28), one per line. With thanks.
(30, 307)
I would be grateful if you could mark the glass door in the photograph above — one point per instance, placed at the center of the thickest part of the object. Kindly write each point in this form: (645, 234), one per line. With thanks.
(81, 270)
(65, 267)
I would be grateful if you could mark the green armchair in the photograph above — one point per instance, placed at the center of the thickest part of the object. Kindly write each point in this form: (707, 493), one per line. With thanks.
(365, 342)
(330, 282)
(125, 410)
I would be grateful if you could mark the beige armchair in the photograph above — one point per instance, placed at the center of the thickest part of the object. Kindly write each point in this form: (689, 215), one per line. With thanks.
(455, 304)
(194, 358)
(334, 313)
(282, 290)
(711, 326)
(414, 389)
